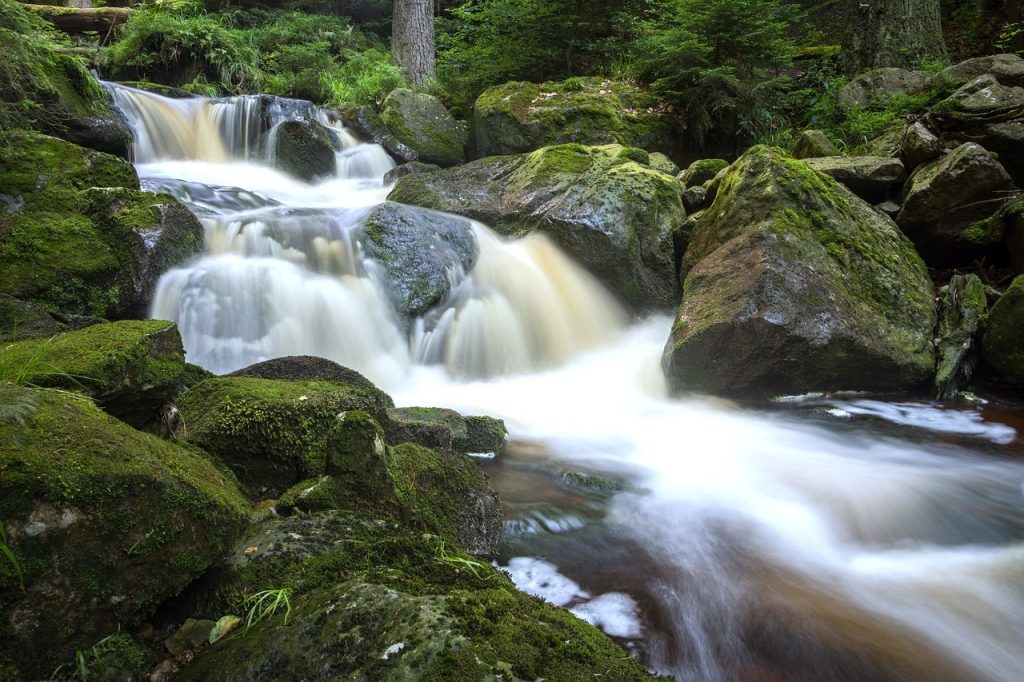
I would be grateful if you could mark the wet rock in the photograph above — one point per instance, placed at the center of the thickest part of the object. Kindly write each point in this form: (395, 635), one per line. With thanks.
(421, 122)
(812, 144)
(368, 124)
(945, 200)
(106, 131)
(273, 434)
(695, 198)
(409, 168)
(871, 178)
(304, 368)
(131, 368)
(446, 429)
(793, 284)
(1002, 344)
(868, 87)
(701, 171)
(111, 519)
(421, 252)
(305, 149)
(962, 307)
(918, 145)
(612, 214)
(520, 117)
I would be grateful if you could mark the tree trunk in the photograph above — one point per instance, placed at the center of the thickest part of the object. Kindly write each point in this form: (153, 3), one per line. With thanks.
(412, 39)
(78, 20)
(892, 33)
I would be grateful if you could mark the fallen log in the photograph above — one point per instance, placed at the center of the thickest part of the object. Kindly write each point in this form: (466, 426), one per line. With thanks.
(76, 20)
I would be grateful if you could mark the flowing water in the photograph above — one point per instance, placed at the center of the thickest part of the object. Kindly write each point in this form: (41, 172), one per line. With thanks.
(824, 538)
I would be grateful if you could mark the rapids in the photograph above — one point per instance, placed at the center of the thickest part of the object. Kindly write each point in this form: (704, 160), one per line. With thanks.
(822, 538)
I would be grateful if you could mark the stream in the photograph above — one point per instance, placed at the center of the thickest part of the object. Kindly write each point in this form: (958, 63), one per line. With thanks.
(818, 538)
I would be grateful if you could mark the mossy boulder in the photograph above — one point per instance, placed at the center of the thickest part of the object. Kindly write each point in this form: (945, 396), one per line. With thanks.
(272, 434)
(305, 149)
(918, 144)
(438, 427)
(105, 521)
(945, 201)
(660, 162)
(22, 320)
(701, 171)
(420, 122)
(422, 253)
(131, 368)
(367, 123)
(813, 144)
(1007, 68)
(872, 178)
(520, 117)
(304, 368)
(373, 599)
(78, 237)
(409, 168)
(866, 88)
(1002, 344)
(43, 88)
(609, 211)
(793, 284)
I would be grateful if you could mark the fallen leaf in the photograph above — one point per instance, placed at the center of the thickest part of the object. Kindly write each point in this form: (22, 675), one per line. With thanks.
(225, 625)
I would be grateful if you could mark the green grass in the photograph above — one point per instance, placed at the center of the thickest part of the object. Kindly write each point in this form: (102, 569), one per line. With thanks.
(266, 603)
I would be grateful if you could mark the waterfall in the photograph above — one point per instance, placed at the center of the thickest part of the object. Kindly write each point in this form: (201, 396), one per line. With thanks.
(825, 538)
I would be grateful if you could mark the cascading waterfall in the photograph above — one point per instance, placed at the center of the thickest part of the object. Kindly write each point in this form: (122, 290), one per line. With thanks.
(826, 538)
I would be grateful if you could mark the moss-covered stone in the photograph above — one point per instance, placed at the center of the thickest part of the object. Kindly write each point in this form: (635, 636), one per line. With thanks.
(1002, 344)
(613, 215)
(946, 200)
(304, 149)
(23, 320)
(813, 144)
(111, 519)
(362, 586)
(421, 122)
(368, 124)
(660, 162)
(131, 368)
(793, 284)
(872, 178)
(422, 253)
(520, 117)
(78, 237)
(272, 434)
(963, 307)
(437, 427)
(45, 89)
(701, 171)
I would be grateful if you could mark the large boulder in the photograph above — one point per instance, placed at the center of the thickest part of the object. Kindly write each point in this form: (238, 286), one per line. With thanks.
(445, 429)
(868, 87)
(132, 368)
(702, 171)
(272, 433)
(421, 252)
(610, 212)
(1008, 69)
(105, 523)
(420, 122)
(304, 368)
(871, 178)
(1002, 345)
(79, 236)
(918, 145)
(374, 599)
(945, 200)
(305, 149)
(793, 284)
(521, 117)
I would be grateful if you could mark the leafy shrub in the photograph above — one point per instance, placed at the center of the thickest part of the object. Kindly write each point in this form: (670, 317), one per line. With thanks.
(365, 78)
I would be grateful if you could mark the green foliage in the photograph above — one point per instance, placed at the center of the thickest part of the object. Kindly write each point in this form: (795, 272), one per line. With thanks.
(115, 656)
(8, 554)
(264, 605)
(1011, 37)
(720, 63)
(488, 43)
(365, 78)
(479, 570)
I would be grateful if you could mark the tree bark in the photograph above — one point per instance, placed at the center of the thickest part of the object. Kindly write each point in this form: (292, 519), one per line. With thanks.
(78, 20)
(412, 39)
(892, 33)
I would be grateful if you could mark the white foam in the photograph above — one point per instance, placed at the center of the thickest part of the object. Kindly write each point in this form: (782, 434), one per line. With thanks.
(616, 613)
(542, 579)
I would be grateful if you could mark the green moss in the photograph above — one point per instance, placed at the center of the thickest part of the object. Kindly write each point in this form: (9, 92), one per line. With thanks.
(1002, 344)
(69, 471)
(272, 433)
